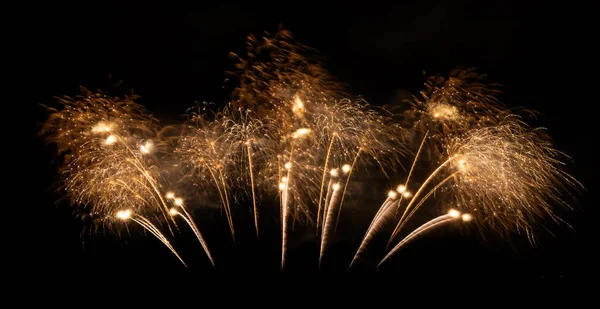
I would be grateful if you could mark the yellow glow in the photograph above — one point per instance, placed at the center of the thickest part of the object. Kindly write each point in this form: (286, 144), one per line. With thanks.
(124, 214)
(407, 194)
(170, 195)
(334, 172)
(102, 127)
(443, 111)
(110, 140)
(401, 189)
(462, 165)
(173, 211)
(467, 217)
(282, 186)
(147, 147)
(301, 132)
(392, 194)
(454, 213)
(298, 107)
(178, 201)
(288, 165)
(335, 186)
(346, 168)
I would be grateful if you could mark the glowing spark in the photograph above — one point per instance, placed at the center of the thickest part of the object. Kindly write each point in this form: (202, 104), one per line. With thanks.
(301, 132)
(462, 165)
(298, 107)
(444, 112)
(102, 127)
(346, 168)
(454, 213)
(147, 147)
(124, 214)
(110, 140)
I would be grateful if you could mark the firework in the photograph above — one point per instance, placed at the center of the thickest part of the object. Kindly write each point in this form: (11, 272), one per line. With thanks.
(291, 137)
(109, 159)
(312, 124)
(449, 107)
(202, 151)
(175, 211)
(506, 178)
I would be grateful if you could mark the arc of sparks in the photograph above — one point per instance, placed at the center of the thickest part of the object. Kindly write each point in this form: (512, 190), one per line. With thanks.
(328, 213)
(323, 179)
(401, 224)
(285, 210)
(249, 150)
(188, 219)
(452, 215)
(374, 226)
(145, 223)
(346, 188)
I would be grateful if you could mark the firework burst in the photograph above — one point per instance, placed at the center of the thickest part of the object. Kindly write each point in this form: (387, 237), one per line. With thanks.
(294, 139)
(504, 178)
(110, 162)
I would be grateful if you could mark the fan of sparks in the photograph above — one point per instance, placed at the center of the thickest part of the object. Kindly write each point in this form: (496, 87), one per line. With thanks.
(294, 139)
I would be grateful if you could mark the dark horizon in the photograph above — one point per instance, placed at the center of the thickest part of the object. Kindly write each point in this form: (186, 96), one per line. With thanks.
(174, 58)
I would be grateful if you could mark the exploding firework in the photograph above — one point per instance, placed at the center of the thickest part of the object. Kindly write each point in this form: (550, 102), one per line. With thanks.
(110, 164)
(293, 139)
(505, 178)
(109, 155)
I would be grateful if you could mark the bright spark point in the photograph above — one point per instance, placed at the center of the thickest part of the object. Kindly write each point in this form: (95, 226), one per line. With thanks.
(392, 194)
(173, 211)
(467, 217)
(334, 172)
(407, 194)
(102, 127)
(454, 213)
(170, 195)
(401, 189)
(124, 214)
(298, 105)
(301, 132)
(443, 111)
(346, 168)
(288, 165)
(462, 165)
(146, 148)
(335, 186)
(110, 140)
(282, 186)
(178, 201)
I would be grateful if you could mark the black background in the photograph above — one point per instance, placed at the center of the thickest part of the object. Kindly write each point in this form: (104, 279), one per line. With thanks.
(174, 55)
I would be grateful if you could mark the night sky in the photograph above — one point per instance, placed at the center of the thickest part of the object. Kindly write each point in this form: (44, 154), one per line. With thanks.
(175, 56)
